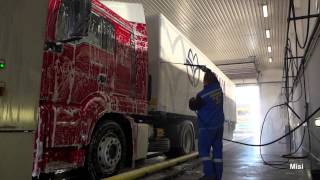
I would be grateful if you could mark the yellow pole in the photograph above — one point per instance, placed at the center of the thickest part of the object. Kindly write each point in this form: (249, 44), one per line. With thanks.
(152, 168)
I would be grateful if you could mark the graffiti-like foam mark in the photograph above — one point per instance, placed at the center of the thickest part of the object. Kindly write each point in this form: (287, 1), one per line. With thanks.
(193, 71)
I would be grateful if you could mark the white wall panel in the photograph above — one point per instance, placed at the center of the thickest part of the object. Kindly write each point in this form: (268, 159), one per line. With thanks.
(22, 27)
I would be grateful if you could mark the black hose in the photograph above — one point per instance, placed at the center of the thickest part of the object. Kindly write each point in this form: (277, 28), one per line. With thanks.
(281, 137)
(273, 164)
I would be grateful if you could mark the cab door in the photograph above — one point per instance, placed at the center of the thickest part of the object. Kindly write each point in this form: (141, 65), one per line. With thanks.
(85, 76)
(90, 62)
(124, 60)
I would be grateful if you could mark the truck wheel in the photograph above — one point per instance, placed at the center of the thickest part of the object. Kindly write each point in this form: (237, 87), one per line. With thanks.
(182, 136)
(107, 150)
(186, 138)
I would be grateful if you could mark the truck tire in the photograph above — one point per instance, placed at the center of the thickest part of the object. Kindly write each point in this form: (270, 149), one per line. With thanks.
(181, 138)
(107, 150)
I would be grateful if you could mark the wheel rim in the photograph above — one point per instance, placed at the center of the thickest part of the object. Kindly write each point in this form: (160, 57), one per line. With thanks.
(109, 153)
(187, 143)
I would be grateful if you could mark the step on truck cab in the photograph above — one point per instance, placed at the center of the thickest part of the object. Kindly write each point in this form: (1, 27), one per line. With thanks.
(105, 97)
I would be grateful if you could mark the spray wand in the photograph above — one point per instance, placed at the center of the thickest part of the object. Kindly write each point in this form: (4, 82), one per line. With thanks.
(202, 67)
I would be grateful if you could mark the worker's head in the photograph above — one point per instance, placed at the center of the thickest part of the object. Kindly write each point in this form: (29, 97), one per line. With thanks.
(209, 77)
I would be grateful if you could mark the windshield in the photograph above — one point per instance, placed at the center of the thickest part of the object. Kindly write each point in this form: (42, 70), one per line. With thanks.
(72, 20)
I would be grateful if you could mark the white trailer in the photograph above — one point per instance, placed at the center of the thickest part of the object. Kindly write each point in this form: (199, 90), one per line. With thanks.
(174, 84)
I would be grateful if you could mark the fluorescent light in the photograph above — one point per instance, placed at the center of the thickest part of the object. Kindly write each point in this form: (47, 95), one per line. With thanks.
(270, 60)
(317, 121)
(269, 49)
(265, 10)
(268, 33)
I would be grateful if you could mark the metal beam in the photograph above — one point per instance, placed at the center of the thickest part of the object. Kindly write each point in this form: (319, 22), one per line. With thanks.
(227, 64)
(242, 72)
(298, 57)
(304, 17)
(258, 83)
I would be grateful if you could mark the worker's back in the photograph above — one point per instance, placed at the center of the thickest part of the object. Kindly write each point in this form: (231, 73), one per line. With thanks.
(211, 113)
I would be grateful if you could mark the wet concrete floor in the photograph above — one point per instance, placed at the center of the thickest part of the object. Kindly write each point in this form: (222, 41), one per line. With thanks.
(244, 163)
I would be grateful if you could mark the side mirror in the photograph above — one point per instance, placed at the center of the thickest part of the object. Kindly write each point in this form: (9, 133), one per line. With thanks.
(73, 20)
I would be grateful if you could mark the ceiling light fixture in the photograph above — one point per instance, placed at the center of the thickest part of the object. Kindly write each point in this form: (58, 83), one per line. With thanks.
(269, 49)
(268, 33)
(270, 60)
(317, 121)
(265, 10)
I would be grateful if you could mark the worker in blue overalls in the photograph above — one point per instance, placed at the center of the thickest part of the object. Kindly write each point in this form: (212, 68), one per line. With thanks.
(209, 107)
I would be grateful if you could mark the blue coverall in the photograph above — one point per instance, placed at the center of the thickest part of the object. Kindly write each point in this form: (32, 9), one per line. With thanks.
(210, 123)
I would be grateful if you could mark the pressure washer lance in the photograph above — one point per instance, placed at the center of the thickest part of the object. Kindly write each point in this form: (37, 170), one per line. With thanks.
(202, 67)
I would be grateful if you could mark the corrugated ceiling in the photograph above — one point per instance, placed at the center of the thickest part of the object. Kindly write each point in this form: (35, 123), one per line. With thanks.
(239, 69)
(227, 30)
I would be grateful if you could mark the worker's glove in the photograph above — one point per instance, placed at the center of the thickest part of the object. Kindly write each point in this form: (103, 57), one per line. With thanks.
(195, 103)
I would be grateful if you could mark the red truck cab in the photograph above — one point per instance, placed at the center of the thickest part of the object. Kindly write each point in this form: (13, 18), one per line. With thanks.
(94, 75)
